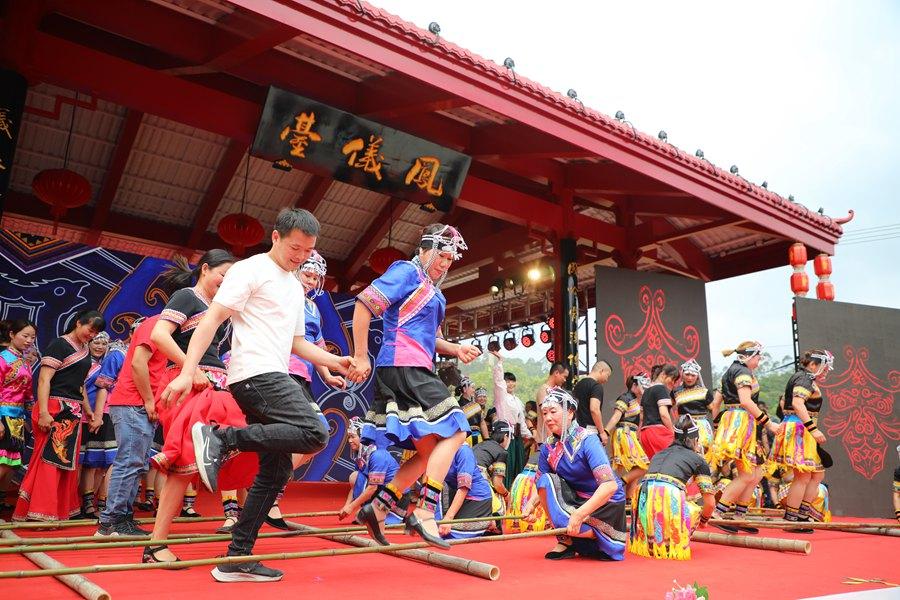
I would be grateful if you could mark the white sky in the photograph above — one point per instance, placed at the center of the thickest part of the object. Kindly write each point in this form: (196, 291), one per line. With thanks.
(804, 94)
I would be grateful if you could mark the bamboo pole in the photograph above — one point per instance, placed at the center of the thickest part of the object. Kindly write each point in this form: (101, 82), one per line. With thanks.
(781, 524)
(268, 557)
(445, 561)
(757, 543)
(143, 521)
(889, 531)
(81, 585)
(173, 538)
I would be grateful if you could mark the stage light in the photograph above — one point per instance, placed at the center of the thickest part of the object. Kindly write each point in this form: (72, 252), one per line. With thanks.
(821, 211)
(527, 339)
(699, 153)
(534, 274)
(493, 343)
(791, 198)
(572, 94)
(551, 322)
(734, 169)
(620, 116)
(546, 335)
(477, 343)
(662, 135)
(509, 63)
(434, 28)
(550, 355)
(496, 287)
(509, 341)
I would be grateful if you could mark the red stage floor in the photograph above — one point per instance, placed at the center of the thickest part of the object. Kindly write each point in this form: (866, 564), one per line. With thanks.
(727, 572)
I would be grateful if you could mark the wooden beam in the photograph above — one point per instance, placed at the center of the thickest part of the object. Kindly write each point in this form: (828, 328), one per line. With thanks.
(694, 257)
(114, 171)
(512, 140)
(766, 257)
(392, 210)
(225, 172)
(611, 178)
(674, 207)
(240, 51)
(314, 192)
(658, 231)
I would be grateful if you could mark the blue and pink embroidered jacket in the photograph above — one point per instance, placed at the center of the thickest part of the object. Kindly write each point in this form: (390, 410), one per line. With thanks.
(412, 310)
(581, 461)
(300, 366)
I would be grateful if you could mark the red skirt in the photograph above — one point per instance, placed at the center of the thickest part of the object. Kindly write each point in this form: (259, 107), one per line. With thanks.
(47, 493)
(206, 406)
(655, 438)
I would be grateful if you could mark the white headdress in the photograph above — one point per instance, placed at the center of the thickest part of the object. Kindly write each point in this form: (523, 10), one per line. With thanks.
(826, 362)
(446, 239)
(315, 264)
(746, 354)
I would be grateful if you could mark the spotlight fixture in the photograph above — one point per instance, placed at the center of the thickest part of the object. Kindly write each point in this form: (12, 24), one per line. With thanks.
(821, 210)
(734, 169)
(496, 287)
(791, 198)
(527, 338)
(509, 341)
(551, 322)
(477, 343)
(434, 28)
(493, 343)
(662, 135)
(509, 63)
(572, 94)
(534, 274)
(620, 116)
(765, 185)
(550, 355)
(699, 153)
(546, 335)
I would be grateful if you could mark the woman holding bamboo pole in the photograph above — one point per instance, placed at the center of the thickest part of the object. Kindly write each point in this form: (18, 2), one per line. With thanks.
(663, 518)
(736, 435)
(577, 486)
(797, 442)
(412, 406)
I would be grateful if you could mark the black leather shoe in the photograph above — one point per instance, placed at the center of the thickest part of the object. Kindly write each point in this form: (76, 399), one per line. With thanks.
(414, 525)
(747, 529)
(278, 523)
(149, 556)
(367, 517)
(727, 528)
(568, 552)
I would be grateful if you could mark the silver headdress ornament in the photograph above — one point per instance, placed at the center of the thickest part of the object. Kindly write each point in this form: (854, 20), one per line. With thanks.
(481, 392)
(315, 264)
(747, 353)
(101, 337)
(692, 366)
(826, 362)
(642, 380)
(355, 426)
(692, 428)
(559, 397)
(465, 382)
(137, 323)
(447, 239)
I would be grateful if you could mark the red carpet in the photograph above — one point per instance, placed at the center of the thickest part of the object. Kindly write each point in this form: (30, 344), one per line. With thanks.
(727, 572)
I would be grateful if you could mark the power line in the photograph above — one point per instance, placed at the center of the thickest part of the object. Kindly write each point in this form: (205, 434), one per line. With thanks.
(872, 232)
(871, 228)
(871, 240)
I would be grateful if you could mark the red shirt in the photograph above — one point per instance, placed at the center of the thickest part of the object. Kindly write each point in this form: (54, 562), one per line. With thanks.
(125, 393)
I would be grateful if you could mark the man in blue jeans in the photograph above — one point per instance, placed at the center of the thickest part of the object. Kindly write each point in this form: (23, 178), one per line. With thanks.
(133, 413)
(265, 301)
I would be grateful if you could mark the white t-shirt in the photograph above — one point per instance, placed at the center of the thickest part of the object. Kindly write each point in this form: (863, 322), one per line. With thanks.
(268, 305)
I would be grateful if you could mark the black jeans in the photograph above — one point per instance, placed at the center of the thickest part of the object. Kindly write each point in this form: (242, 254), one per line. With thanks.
(280, 422)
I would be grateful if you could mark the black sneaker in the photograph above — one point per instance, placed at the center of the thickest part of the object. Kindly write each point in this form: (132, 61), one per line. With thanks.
(248, 571)
(106, 530)
(129, 527)
(208, 451)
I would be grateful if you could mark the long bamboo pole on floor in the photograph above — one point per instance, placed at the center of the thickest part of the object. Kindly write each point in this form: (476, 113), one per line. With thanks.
(888, 531)
(269, 557)
(81, 585)
(757, 543)
(106, 540)
(143, 521)
(781, 524)
(95, 543)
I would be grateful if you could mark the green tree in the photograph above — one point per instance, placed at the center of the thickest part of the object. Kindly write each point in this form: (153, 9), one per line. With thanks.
(772, 376)
(530, 374)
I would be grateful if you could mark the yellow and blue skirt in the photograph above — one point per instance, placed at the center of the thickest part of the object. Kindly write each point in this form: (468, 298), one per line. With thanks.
(524, 489)
(706, 435)
(794, 447)
(627, 450)
(663, 520)
(735, 440)
(819, 510)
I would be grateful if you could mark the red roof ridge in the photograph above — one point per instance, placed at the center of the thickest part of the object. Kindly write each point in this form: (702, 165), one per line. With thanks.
(428, 40)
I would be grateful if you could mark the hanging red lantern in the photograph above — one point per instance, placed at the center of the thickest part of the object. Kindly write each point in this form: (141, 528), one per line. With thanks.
(797, 255)
(799, 283)
(241, 231)
(62, 189)
(825, 290)
(384, 257)
(822, 265)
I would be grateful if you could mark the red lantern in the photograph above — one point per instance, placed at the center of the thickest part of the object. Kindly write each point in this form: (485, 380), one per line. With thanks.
(383, 258)
(797, 255)
(241, 231)
(822, 265)
(62, 189)
(799, 283)
(550, 355)
(825, 290)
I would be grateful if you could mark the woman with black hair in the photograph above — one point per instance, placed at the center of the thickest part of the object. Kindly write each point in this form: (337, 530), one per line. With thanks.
(629, 457)
(15, 393)
(656, 431)
(478, 430)
(49, 491)
(664, 519)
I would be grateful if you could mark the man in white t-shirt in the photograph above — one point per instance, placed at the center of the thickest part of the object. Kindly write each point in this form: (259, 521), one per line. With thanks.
(264, 300)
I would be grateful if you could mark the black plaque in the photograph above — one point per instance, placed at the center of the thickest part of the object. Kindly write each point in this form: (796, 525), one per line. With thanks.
(13, 89)
(299, 132)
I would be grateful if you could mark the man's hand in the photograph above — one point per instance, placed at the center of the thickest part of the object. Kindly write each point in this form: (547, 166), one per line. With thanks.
(177, 389)
(360, 370)
(344, 364)
(467, 353)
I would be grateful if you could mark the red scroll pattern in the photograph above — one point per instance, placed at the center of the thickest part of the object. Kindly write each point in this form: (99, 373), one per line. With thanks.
(652, 344)
(861, 412)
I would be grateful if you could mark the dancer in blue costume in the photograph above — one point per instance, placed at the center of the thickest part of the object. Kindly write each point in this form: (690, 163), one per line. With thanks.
(468, 496)
(375, 466)
(577, 486)
(412, 406)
